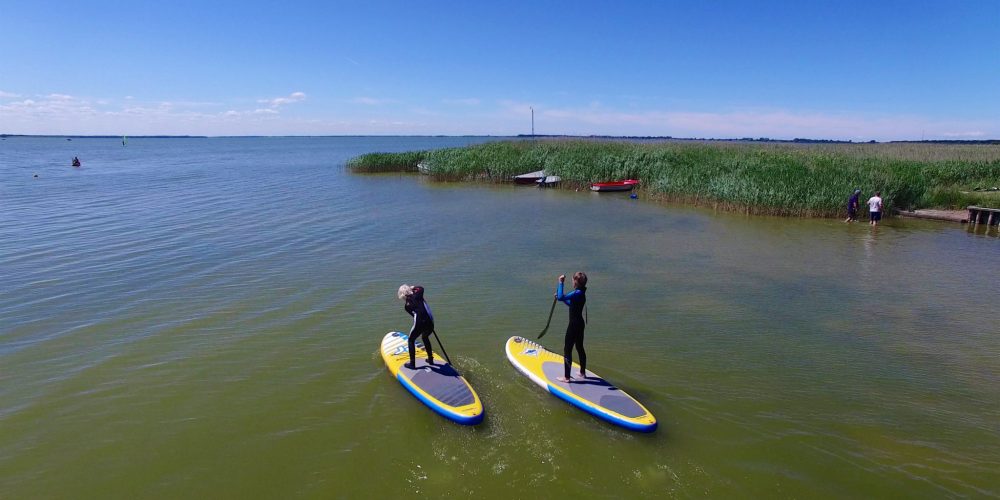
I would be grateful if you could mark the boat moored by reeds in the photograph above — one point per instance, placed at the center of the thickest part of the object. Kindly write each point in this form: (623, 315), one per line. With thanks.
(626, 185)
(548, 181)
(530, 177)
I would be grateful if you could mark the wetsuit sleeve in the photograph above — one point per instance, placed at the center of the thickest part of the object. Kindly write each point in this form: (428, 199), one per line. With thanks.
(567, 298)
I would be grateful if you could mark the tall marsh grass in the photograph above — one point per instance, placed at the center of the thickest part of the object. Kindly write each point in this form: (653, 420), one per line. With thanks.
(386, 162)
(779, 179)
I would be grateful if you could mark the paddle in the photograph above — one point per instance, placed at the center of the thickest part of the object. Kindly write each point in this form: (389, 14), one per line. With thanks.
(547, 323)
(442, 347)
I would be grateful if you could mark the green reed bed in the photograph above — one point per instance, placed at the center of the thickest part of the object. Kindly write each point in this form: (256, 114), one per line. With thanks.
(386, 162)
(778, 179)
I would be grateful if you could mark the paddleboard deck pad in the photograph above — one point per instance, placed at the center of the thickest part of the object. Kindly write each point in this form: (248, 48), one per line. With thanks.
(593, 394)
(438, 386)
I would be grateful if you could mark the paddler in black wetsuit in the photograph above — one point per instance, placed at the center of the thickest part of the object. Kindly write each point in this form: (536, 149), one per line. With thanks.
(574, 331)
(423, 322)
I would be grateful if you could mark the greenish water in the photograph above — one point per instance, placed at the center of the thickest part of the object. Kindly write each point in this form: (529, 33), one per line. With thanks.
(200, 318)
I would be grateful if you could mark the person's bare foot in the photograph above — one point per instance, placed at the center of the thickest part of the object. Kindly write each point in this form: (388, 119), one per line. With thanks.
(564, 379)
(583, 375)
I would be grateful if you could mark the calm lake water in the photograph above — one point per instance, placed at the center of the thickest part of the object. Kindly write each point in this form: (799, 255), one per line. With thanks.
(200, 318)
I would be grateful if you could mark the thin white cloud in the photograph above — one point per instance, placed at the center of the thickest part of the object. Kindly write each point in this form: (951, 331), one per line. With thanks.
(193, 104)
(65, 114)
(253, 112)
(8, 95)
(776, 124)
(52, 106)
(371, 101)
(282, 101)
(59, 113)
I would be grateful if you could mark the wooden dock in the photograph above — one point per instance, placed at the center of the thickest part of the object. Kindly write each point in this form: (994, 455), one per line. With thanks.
(943, 215)
(983, 215)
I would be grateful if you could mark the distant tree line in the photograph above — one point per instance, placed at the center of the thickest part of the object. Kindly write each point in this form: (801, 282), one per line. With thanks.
(800, 140)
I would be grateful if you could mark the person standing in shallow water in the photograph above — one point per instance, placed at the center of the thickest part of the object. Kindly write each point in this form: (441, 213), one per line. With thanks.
(852, 206)
(875, 208)
(574, 331)
(423, 322)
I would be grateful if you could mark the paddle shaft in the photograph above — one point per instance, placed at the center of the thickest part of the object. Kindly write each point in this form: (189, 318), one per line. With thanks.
(442, 347)
(547, 323)
(439, 342)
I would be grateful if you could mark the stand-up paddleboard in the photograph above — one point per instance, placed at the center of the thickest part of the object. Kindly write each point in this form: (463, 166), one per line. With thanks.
(438, 386)
(593, 394)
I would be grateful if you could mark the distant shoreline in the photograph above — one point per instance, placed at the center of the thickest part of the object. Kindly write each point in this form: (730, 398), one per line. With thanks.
(230, 136)
(797, 140)
(764, 178)
(107, 136)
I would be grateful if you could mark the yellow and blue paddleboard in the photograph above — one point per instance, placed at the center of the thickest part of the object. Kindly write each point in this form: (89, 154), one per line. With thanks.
(593, 394)
(438, 386)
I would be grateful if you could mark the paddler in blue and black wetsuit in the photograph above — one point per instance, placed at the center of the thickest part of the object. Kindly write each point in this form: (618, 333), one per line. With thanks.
(574, 331)
(423, 323)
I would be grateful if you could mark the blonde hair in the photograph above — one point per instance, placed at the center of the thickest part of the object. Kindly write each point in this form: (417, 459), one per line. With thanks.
(404, 291)
(581, 278)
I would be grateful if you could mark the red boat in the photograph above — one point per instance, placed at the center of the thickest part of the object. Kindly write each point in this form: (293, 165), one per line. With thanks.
(626, 185)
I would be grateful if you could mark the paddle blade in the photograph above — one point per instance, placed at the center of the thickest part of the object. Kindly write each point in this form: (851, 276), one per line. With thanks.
(547, 323)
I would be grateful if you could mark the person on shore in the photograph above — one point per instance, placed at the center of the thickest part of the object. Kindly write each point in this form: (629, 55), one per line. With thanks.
(76, 162)
(423, 322)
(875, 208)
(574, 331)
(852, 206)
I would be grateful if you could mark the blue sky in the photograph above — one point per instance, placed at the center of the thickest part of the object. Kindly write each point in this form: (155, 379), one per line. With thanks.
(883, 70)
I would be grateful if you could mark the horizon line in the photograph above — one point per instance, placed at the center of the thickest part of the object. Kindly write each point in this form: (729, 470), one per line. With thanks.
(517, 136)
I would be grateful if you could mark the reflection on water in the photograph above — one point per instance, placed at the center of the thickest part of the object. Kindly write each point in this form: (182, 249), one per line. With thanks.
(983, 230)
(867, 264)
(201, 317)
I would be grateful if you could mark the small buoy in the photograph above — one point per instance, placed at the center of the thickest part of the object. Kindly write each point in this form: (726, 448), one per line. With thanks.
(633, 196)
